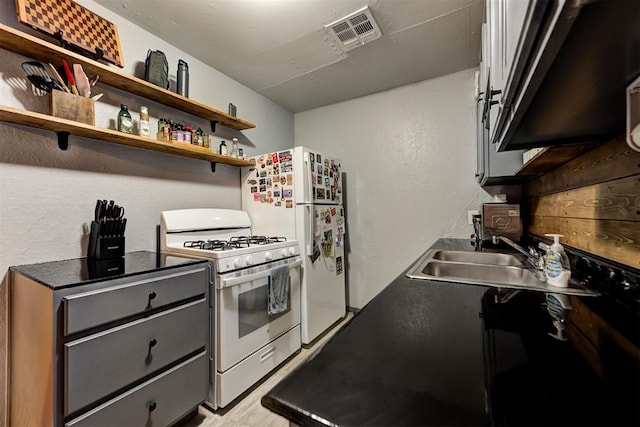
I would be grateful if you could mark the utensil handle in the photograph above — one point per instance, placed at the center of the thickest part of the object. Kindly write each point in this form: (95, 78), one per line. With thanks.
(59, 77)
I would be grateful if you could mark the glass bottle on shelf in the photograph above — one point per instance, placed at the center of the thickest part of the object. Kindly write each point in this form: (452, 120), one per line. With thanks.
(223, 149)
(143, 127)
(234, 148)
(125, 124)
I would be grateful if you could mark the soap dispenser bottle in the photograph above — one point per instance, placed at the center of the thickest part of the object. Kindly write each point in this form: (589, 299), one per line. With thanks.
(556, 266)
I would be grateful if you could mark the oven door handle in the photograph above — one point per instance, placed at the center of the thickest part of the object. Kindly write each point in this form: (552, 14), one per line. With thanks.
(227, 282)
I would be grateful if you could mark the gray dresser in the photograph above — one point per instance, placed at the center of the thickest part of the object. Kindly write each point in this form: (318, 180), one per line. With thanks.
(112, 343)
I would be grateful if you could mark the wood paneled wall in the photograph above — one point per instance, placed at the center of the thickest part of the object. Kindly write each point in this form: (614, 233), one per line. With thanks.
(593, 200)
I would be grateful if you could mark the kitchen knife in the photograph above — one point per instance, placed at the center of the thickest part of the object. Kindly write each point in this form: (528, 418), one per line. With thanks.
(98, 210)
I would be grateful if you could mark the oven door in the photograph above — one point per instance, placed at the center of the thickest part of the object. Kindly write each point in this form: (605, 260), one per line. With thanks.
(243, 325)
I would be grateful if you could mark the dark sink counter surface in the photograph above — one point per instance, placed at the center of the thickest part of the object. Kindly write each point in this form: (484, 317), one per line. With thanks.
(435, 353)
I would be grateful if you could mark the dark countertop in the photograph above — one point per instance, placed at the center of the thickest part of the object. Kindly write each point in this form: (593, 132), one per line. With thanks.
(82, 271)
(435, 353)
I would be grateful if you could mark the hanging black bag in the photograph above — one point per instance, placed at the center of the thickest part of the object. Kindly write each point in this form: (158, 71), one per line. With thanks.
(156, 69)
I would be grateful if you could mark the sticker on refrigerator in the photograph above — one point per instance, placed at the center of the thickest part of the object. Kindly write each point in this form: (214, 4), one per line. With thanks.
(274, 157)
(318, 158)
(254, 189)
(285, 156)
(312, 157)
(288, 203)
(338, 266)
(327, 244)
(256, 197)
(320, 193)
(339, 237)
(288, 193)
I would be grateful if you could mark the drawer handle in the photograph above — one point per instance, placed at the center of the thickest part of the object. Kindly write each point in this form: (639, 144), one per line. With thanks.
(267, 354)
(152, 296)
(152, 406)
(152, 343)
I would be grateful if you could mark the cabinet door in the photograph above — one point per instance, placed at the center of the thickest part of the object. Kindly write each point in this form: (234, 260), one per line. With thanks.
(506, 20)
(495, 45)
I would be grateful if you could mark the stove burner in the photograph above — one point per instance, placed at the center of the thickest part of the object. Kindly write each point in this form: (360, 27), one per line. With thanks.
(233, 243)
(214, 245)
(258, 240)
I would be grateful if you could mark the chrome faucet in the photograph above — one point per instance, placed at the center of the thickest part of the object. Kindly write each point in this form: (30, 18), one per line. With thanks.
(533, 256)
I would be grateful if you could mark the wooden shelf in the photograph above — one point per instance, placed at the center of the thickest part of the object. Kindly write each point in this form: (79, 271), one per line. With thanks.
(551, 157)
(55, 124)
(27, 45)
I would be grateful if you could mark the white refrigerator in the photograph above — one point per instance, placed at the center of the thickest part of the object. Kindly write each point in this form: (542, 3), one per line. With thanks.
(297, 194)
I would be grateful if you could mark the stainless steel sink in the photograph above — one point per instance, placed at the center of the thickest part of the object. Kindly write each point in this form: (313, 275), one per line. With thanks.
(480, 258)
(503, 270)
(482, 274)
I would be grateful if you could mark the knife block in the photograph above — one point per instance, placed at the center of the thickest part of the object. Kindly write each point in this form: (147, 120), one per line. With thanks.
(72, 107)
(101, 247)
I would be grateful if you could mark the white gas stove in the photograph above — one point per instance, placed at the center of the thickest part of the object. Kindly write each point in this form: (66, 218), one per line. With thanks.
(247, 340)
(222, 235)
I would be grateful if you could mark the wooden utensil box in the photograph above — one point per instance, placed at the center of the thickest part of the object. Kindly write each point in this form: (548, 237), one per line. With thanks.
(73, 107)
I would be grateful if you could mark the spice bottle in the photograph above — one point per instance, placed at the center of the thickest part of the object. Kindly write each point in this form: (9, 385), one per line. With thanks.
(125, 124)
(223, 149)
(143, 127)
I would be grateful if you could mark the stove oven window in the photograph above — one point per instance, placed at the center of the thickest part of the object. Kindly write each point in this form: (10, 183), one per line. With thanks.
(252, 310)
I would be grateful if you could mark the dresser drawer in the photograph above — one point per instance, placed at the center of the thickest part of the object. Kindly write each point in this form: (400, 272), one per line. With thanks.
(103, 363)
(97, 307)
(158, 402)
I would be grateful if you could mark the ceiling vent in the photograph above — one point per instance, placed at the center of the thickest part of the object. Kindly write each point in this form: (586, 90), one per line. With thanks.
(355, 29)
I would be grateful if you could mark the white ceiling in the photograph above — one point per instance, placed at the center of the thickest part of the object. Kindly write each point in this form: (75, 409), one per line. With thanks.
(280, 48)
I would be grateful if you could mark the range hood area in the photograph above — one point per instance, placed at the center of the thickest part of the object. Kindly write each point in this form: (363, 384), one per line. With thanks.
(568, 86)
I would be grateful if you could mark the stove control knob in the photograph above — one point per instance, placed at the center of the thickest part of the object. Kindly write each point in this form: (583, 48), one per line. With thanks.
(285, 252)
(292, 251)
(249, 260)
(237, 262)
(268, 256)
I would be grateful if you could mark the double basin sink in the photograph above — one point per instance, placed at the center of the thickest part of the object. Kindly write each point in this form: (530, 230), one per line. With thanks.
(503, 270)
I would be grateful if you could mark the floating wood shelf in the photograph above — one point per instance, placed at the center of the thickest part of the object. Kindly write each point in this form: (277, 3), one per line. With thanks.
(551, 157)
(64, 128)
(33, 47)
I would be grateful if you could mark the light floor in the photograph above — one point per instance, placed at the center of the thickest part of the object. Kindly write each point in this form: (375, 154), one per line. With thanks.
(248, 411)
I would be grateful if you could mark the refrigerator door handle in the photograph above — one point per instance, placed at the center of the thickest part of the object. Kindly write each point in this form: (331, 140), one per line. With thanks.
(308, 197)
(309, 230)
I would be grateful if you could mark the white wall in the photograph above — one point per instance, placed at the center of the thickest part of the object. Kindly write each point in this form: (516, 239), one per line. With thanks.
(409, 156)
(47, 196)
